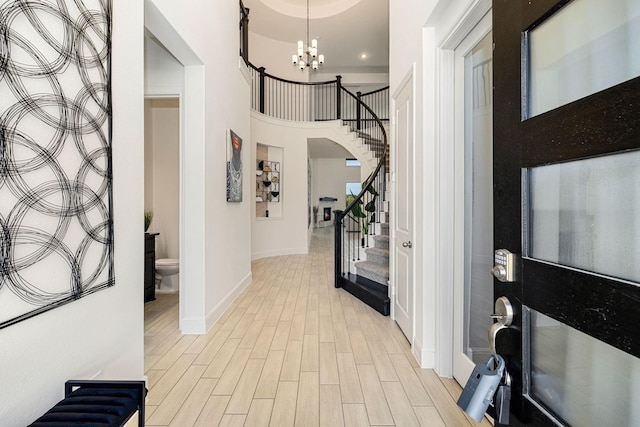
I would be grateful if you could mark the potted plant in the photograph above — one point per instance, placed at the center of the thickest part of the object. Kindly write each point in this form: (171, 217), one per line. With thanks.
(367, 215)
(148, 217)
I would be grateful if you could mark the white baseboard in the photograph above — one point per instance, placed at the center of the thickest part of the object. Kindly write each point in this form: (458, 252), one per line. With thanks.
(199, 326)
(218, 310)
(426, 358)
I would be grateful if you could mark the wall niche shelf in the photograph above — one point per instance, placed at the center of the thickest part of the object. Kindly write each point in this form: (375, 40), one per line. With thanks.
(267, 181)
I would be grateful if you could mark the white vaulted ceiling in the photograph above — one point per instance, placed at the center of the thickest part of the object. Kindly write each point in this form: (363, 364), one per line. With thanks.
(346, 29)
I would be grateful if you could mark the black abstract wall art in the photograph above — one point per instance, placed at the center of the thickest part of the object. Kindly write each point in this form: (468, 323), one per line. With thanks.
(56, 224)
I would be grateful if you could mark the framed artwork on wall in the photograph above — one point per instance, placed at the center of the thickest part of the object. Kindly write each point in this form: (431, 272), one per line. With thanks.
(56, 217)
(234, 167)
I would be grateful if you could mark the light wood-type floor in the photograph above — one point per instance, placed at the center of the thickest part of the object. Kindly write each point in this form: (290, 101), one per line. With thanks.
(291, 351)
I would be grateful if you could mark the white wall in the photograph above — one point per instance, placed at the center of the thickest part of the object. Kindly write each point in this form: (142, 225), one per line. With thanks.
(216, 233)
(272, 55)
(163, 116)
(163, 74)
(103, 332)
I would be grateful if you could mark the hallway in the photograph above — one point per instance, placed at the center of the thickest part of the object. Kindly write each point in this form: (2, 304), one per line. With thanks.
(291, 351)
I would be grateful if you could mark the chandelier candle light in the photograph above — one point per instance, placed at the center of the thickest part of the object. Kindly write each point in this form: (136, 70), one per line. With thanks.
(309, 57)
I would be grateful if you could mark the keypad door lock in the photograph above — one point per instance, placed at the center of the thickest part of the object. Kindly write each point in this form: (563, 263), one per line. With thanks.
(505, 266)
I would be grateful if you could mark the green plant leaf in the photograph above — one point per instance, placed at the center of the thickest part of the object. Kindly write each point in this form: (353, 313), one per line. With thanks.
(371, 206)
(357, 211)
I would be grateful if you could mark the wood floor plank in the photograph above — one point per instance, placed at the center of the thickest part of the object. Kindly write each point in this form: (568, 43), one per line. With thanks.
(260, 413)
(297, 327)
(219, 363)
(374, 398)
(399, 405)
(412, 385)
(178, 394)
(326, 329)
(308, 404)
(231, 376)
(284, 407)
(268, 383)
(349, 381)
(330, 406)
(194, 404)
(428, 416)
(232, 420)
(213, 411)
(383, 363)
(450, 413)
(243, 394)
(174, 353)
(310, 353)
(328, 364)
(343, 342)
(355, 415)
(292, 360)
(263, 343)
(211, 350)
(169, 380)
(251, 336)
(281, 337)
(361, 351)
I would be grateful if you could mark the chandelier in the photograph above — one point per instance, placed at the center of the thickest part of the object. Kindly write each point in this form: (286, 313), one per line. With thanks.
(307, 57)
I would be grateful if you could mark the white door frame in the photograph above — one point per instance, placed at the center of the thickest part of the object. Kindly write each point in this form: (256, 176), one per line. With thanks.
(462, 366)
(439, 66)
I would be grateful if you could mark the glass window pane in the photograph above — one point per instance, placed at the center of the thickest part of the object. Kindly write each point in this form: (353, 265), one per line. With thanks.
(584, 381)
(586, 214)
(478, 194)
(586, 47)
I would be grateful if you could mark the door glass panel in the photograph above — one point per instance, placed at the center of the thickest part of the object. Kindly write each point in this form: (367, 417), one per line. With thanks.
(586, 214)
(582, 380)
(478, 200)
(586, 47)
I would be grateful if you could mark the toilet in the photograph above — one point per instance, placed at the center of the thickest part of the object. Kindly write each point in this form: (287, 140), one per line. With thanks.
(167, 275)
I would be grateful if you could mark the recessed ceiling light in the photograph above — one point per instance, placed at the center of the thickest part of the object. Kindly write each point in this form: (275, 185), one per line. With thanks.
(363, 56)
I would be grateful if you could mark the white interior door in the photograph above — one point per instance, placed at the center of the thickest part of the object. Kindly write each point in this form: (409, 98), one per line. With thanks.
(473, 284)
(403, 298)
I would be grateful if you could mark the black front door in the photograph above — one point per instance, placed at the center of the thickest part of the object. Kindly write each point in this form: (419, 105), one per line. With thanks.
(567, 202)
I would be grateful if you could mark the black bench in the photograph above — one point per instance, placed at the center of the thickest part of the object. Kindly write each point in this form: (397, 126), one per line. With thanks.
(96, 403)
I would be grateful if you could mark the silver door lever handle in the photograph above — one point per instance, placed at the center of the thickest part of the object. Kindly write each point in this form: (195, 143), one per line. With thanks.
(493, 332)
(504, 315)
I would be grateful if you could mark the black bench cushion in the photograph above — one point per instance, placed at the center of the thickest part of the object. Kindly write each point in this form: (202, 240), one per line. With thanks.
(89, 406)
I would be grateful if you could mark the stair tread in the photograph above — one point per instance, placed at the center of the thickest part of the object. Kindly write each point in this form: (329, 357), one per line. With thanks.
(374, 267)
(378, 251)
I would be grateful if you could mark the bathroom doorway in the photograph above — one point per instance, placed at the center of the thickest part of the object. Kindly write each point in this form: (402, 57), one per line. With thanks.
(162, 187)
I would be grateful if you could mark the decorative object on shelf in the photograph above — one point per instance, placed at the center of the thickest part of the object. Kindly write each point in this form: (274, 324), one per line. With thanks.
(148, 217)
(267, 181)
(316, 208)
(307, 57)
(56, 182)
(234, 167)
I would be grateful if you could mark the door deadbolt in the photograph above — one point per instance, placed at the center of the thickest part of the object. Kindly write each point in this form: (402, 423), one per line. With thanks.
(504, 269)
